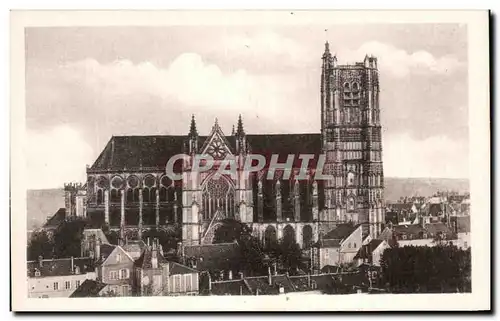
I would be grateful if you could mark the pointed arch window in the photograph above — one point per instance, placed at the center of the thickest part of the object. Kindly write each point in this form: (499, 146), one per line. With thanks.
(351, 179)
(351, 204)
(218, 195)
(100, 196)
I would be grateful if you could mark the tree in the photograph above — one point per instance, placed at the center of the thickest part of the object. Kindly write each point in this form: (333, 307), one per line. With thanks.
(289, 256)
(112, 236)
(438, 269)
(68, 238)
(40, 244)
(108, 294)
(231, 230)
(251, 259)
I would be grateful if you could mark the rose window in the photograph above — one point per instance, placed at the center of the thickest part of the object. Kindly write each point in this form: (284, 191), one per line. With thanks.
(216, 149)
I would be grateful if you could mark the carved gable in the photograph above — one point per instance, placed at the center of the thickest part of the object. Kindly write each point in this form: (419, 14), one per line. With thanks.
(216, 144)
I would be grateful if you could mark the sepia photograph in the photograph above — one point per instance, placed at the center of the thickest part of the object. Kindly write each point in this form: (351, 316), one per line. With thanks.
(228, 159)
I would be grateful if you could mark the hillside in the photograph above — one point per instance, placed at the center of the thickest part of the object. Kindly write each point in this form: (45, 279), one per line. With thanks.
(44, 203)
(398, 187)
(41, 204)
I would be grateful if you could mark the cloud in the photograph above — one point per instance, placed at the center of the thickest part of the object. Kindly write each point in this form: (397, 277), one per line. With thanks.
(400, 63)
(267, 45)
(56, 156)
(188, 80)
(437, 156)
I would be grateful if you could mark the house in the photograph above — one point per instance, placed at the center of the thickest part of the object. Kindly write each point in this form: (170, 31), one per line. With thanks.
(58, 278)
(338, 246)
(91, 288)
(372, 252)
(116, 270)
(155, 276)
(461, 227)
(135, 248)
(422, 234)
(440, 231)
(92, 238)
(284, 284)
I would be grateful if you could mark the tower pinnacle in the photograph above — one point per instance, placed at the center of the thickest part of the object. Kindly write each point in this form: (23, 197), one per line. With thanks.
(239, 130)
(192, 129)
(327, 54)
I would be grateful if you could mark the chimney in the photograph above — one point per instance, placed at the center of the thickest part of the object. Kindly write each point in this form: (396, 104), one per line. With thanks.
(40, 261)
(98, 249)
(269, 276)
(180, 252)
(72, 265)
(209, 282)
(230, 275)
(241, 275)
(154, 256)
(164, 277)
(275, 269)
(282, 289)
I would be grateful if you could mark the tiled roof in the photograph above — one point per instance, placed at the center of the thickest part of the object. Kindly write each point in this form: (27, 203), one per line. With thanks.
(56, 219)
(138, 151)
(134, 248)
(59, 267)
(262, 283)
(435, 209)
(329, 243)
(436, 228)
(154, 151)
(285, 144)
(176, 268)
(231, 287)
(88, 289)
(144, 261)
(106, 250)
(341, 232)
(414, 230)
(212, 255)
(330, 269)
(463, 223)
(366, 250)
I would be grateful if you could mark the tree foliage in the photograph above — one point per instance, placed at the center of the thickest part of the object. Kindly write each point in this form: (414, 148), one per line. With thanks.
(40, 244)
(435, 269)
(251, 260)
(68, 238)
(168, 239)
(289, 256)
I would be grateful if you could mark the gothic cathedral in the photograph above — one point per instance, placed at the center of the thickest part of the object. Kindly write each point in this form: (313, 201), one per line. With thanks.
(127, 187)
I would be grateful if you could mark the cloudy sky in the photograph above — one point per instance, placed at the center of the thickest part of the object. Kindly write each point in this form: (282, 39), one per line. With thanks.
(85, 84)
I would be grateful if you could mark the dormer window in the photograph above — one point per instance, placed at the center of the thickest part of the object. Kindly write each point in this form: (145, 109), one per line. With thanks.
(37, 272)
(404, 237)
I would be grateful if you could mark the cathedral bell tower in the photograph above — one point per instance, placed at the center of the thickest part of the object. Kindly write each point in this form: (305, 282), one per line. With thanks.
(351, 140)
